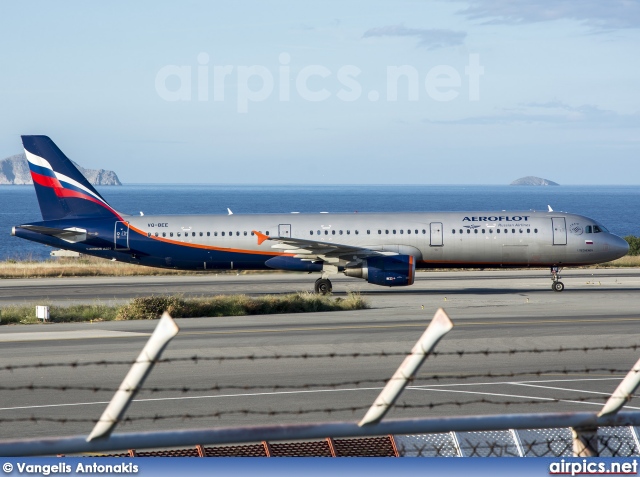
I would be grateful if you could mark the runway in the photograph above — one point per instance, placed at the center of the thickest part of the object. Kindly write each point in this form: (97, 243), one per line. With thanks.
(492, 311)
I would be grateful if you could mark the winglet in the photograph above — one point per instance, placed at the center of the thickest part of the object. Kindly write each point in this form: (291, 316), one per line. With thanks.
(261, 237)
(550, 209)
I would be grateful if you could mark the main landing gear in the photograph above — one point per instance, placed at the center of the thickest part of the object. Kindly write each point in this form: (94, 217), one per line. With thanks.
(323, 286)
(557, 285)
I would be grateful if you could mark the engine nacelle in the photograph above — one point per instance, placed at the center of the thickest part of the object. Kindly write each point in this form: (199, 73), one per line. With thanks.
(390, 271)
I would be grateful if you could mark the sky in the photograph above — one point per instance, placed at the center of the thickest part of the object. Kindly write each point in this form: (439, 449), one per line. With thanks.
(332, 92)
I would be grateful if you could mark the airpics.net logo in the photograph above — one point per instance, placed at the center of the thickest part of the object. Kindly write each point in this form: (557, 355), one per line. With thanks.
(204, 81)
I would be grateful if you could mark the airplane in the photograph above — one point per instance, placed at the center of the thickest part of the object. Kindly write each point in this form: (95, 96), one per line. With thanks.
(382, 248)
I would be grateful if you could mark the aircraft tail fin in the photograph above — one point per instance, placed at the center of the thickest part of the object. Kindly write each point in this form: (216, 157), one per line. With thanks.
(62, 190)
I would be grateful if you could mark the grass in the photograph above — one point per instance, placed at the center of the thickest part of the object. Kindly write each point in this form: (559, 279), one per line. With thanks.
(79, 267)
(98, 267)
(628, 261)
(152, 307)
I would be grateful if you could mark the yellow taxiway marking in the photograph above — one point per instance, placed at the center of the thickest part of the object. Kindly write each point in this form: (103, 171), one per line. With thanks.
(462, 324)
(374, 327)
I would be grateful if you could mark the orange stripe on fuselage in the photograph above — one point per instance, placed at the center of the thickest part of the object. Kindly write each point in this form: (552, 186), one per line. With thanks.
(209, 247)
(411, 275)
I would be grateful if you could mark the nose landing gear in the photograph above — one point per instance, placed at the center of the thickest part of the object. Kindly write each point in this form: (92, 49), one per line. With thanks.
(557, 285)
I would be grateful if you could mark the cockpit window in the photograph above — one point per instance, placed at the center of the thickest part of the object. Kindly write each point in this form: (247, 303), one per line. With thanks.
(596, 229)
(588, 229)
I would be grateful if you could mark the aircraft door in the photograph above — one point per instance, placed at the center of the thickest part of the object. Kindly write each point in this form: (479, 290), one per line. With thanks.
(559, 230)
(121, 236)
(284, 230)
(436, 234)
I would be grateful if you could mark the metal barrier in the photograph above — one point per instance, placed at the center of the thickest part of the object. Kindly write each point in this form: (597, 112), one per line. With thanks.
(608, 432)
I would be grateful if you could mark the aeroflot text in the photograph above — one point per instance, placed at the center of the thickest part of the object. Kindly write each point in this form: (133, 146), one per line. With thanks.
(516, 218)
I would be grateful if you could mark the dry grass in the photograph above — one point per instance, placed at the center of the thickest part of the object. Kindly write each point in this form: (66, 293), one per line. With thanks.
(80, 267)
(152, 307)
(628, 261)
(98, 267)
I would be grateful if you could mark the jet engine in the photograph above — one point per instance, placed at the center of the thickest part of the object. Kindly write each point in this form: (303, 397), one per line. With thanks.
(390, 271)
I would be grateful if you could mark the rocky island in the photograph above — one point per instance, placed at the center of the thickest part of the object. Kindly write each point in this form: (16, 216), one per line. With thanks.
(14, 170)
(534, 181)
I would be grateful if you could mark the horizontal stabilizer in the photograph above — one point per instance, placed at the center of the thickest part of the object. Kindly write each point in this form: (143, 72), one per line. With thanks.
(72, 234)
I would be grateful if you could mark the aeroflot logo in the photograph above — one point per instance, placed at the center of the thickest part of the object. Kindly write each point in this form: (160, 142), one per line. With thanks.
(502, 218)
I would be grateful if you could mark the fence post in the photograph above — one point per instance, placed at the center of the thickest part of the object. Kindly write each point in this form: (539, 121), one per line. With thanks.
(585, 441)
(165, 330)
(623, 392)
(440, 325)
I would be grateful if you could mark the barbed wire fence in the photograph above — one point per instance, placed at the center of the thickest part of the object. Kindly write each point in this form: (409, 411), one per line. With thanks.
(501, 438)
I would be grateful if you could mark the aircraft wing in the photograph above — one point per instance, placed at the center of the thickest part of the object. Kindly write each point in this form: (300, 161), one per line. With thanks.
(317, 250)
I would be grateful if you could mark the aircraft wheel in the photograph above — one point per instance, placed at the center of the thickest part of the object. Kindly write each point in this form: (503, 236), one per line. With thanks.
(323, 286)
(558, 286)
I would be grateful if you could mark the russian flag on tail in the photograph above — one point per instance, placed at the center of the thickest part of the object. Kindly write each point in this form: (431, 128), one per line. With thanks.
(62, 190)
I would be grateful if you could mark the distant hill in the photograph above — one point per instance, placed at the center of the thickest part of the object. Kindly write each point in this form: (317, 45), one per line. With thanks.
(534, 181)
(15, 170)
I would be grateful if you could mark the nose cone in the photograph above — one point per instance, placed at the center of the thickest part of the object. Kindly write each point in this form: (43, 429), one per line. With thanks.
(619, 246)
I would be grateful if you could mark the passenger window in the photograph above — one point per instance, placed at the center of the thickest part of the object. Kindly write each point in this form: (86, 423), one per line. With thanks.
(484, 231)
(230, 234)
(521, 231)
(357, 232)
(193, 234)
(498, 231)
(214, 233)
(379, 231)
(348, 232)
(468, 231)
(453, 231)
(386, 232)
(416, 231)
(200, 234)
(156, 234)
(326, 232)
(245, 233)
(164, 234)
(178, 234)
(424, 231)
(209, 234)
(311, 232)
(461, 230)
(394, 232)
(513, 231)
(267, 232)
(341, 232)
(409, 231)
(333, 232)
(535, 231)
(252, 233)
(490, 231)
(170, 234)
(528, 231)
(476, 231)
(222, 233)
(148, 234)
(401, 231)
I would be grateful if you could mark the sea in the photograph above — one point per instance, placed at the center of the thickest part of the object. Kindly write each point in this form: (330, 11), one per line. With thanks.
(616, 207)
